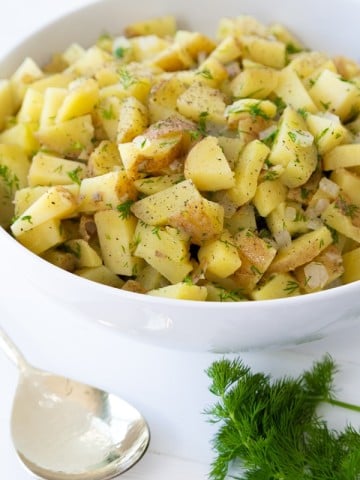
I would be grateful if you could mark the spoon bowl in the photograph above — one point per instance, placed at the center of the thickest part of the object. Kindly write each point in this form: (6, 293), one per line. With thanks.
(66, 430)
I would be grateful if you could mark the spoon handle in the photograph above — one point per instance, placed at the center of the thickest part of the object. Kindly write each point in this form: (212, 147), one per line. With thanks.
(11, 350)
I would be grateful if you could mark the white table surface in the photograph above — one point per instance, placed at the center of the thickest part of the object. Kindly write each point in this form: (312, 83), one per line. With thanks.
(170, 388)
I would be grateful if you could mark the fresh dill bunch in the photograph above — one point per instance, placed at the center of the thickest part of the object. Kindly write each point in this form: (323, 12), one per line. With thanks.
(271, 426)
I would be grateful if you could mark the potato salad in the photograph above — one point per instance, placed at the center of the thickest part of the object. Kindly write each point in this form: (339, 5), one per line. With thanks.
(170, 163)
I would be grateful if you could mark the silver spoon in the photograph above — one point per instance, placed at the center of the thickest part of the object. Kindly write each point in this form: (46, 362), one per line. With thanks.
(65, 430)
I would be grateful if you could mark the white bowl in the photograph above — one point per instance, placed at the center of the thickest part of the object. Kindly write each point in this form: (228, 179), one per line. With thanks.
(199, 326)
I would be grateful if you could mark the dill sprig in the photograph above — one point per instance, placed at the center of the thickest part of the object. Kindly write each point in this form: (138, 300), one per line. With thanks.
(270, 427)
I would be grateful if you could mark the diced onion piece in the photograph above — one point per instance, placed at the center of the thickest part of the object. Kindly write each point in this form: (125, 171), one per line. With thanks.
(329, 187)
(282, 239)
(316, 275)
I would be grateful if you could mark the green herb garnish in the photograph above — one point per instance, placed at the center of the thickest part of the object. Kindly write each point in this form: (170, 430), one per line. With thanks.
(74, 175)
(125, 209)
(270, 427)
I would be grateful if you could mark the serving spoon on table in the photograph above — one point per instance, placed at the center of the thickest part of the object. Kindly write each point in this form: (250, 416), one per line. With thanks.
(66, 430)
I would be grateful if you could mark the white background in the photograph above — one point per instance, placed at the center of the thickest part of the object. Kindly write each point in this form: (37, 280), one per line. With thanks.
(170, 388)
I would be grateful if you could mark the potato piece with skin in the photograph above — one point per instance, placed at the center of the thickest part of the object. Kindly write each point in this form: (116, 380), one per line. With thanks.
(133, 119)
(220, 257)
(164, 249)
(48, 169)
(100, 274)
(7, 103)
(42, 237)
(105, 191)
(61, 259)
(256, 255)
(351, 261)
(207, 166)
(331, 93)
(57, 202)
(321, 271)
(342, 156)
(181, 291)
(85, 255)
(301, 250)
(68, 138)
(200, 100)
(344, 217)
(247, 172)
(116, 234)
(278, 285)
(157, 148)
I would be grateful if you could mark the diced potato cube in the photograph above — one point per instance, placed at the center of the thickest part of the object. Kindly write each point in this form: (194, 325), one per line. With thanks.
(53, 98)
(271, 53)
(207, 166)
(163, 97)
(151, 185)
(292, 91)
(51, 170)
(202, 102)
(332, 94)
(14, 167)
(301, 250)
(194, 42)
(269, 194)
(107, 116)
(161, 26)
(104, 159)
(256, 82)
(247, 172)
(327, 131)
(85, 255)
(68, 138)
(164, 249)
(351, 262)
(31, 108)
(7, 106)
(278, 285)
(116, 234)
(220, 257)
(182, 207)
(24, 76)
(181, 291)
(349, 183)
(287, 216)
(173, 58)
(344, 217)
(243, 219)
(105, 191)
(256, 255)
(133, 119)
(80, 100)
(100, 275)
(151, 279)
(21, 135)
(43, 236)
(57, 202)
(227, 50)
(342, 156)
(144, 47)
